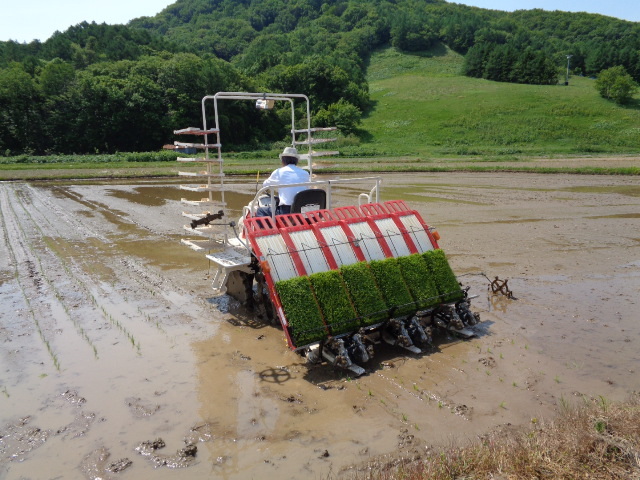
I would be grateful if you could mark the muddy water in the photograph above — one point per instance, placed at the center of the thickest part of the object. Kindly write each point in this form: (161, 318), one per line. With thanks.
(110, 338)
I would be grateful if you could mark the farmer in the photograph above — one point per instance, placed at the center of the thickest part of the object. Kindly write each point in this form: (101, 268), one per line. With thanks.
(287, 174)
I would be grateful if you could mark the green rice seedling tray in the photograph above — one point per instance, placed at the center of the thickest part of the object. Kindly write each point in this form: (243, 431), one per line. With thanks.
(419, 279)
(301, 310)
(444, 278)
(336, 307)
(394, 290)
(364, 293)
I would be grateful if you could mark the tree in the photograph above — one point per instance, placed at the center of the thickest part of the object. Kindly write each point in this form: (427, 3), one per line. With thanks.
(535, 68)
(19, 110)
(410, 33)
(616, 84)
(55, 76)
(341, 114)
(476, 58)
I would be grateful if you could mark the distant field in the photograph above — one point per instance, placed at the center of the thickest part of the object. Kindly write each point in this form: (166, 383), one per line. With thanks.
(426, 117)
(424, 107)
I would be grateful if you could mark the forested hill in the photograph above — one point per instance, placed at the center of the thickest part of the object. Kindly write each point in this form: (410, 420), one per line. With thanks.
(258, 34)
(125, 87)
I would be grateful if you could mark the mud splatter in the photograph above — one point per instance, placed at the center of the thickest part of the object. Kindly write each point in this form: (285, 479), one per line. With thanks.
(19, 438)
(94, 465)
(183, 458)
(141, 409)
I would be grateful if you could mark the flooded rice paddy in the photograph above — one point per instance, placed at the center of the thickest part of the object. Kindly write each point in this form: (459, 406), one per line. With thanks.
(116, 361)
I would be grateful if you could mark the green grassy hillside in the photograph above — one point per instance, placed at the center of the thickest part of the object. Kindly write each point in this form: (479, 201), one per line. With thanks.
(424, 107)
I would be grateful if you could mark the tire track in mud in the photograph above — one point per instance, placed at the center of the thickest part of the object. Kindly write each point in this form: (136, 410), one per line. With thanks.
(147, 280)
(73, 298)
(52, 268)
(14, 239)
(92, 294)
(57, 293)
(106, 211)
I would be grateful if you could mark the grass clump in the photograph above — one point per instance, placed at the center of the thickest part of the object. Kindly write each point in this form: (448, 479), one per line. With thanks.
(302, 311)
(336, 307)
(394, 290)
(586, 441)
(366, 297)
(448, 287)
(418, 278)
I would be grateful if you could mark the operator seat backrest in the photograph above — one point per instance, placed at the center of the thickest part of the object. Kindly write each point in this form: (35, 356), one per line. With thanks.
(309, 200)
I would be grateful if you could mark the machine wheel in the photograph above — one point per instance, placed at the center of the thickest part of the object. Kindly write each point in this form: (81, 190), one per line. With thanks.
(240, 287)
(263, 301)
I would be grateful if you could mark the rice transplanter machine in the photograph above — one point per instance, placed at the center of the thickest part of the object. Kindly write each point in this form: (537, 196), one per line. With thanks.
(339, 279)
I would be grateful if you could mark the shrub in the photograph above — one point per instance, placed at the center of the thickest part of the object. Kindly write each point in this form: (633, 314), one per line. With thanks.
(444, 278)
(394, 290)
(302, 311)
(419, 279)
(364, 293)
(334, 302)
(616, 84)
(341, 114)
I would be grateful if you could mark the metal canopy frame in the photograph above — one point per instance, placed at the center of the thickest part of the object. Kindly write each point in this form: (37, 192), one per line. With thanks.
(280, 97)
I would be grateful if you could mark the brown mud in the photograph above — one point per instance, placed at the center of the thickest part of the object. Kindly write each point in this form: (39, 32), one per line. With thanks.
(116, 361)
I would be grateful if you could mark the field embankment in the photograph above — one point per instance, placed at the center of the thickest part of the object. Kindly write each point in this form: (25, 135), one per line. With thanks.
(84, 167)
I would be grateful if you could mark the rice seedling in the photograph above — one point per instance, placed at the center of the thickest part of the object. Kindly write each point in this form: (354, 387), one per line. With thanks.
(337, 309)
(364, 293)
(394, 290)
(302, 310)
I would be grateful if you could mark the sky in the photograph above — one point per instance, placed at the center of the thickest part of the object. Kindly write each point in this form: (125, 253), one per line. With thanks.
(27, 20)
(624, 9)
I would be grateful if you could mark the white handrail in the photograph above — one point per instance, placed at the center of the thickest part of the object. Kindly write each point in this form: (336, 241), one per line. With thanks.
(253, 204)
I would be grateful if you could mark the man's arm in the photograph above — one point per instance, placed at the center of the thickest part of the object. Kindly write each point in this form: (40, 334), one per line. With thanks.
(274, 179)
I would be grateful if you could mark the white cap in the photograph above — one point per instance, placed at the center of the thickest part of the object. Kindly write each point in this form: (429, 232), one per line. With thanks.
(289, 152)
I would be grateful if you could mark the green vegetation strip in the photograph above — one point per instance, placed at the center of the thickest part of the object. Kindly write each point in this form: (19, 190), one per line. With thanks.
(334, 301)
(419, 279)
(302, 311)
(393, 287)
(364, 293)
(445, 280)
(76, 160)
(115, 170)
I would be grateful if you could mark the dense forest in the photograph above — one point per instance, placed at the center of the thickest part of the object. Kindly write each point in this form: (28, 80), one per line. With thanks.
(108, 88)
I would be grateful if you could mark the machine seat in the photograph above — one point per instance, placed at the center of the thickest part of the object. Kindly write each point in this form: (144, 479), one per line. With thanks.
(309, 200)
